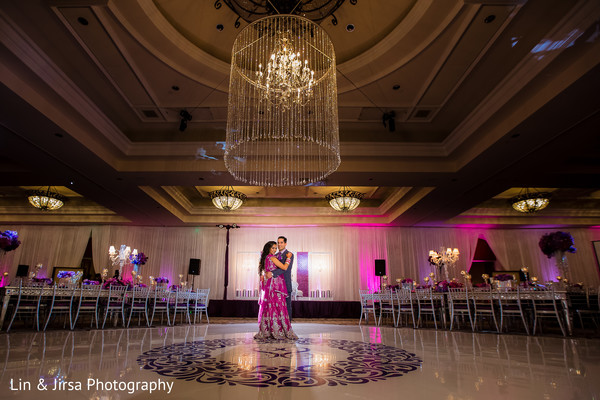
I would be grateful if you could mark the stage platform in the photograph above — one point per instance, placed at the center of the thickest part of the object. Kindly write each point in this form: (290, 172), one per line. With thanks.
(300, 308)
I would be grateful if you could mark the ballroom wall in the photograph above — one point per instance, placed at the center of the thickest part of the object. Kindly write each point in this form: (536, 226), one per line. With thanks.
(352, 249)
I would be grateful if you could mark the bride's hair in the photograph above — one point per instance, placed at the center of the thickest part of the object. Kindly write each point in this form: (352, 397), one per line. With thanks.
(263, 256)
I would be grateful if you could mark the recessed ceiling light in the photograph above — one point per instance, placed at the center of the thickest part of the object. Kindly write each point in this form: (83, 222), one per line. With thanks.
(396, 87)
(82, 21)
(489, 18)
(220, 27)
(350, 27)
(175, 88)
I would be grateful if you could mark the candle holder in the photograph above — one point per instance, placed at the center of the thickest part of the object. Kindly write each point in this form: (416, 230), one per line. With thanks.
(120, 258)
(486, 278)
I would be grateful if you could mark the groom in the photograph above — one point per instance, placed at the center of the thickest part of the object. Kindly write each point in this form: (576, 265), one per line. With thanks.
(287, 274)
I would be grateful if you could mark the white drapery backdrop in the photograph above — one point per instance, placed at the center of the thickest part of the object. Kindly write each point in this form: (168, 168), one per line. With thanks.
(169, 251)
(51, 246)
(352, 251)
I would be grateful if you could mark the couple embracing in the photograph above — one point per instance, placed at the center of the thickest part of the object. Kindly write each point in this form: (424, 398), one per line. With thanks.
(275, 271)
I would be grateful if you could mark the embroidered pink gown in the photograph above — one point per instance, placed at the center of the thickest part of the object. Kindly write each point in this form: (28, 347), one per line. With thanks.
(273, 318)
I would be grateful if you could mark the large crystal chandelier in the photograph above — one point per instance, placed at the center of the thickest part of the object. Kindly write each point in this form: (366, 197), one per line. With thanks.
(282, 122)
(227, 199)
(530, 201)
(46, 199)
(344, 200)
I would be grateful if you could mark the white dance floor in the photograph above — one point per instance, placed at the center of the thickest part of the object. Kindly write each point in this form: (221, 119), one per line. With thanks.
(328, 362)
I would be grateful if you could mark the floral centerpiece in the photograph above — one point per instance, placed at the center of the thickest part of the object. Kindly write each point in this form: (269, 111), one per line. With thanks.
(89, 282)
(116, 282)
(161, 280)
(407, 283)
(556, 244)
(9, 240)
(65, 274)
(138, 259)
(47, 281)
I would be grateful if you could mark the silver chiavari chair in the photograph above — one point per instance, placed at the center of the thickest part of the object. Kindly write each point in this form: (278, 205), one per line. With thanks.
(386, 305)
(545, 305)
(405, 306)
(428, 304)
(89, 302)
(137, 302)
(62, 302)
(159, 301)
(591, 309)
(115, 303)
(460, 306)
(367, 305)
(180, 304)
(483, 306)
(512, 303)
(28, 302)
(199, 304)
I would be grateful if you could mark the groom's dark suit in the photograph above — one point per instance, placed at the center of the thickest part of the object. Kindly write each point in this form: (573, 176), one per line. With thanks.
(287, 276)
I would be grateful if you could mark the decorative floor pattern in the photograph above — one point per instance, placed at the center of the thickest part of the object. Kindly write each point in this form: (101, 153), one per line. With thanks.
(306, 362)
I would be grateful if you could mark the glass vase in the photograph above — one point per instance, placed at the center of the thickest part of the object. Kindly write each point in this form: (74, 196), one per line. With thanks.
(560, 257)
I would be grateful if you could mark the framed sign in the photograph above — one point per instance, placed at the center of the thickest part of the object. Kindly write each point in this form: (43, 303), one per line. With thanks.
(596, 244)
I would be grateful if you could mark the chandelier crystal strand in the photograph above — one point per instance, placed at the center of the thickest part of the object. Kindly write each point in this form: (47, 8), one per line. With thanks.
(282, 126)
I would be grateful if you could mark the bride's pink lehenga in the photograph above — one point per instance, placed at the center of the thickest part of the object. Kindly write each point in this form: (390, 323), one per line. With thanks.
(273, 318)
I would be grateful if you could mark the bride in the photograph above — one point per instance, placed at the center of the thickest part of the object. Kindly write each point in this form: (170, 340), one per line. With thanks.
(273, 318)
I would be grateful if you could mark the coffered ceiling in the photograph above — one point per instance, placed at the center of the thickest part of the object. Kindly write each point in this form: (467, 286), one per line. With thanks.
(489, 97)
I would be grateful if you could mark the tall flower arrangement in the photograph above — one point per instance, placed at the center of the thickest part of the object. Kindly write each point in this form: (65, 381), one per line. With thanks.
(554, 242)
(9, 240)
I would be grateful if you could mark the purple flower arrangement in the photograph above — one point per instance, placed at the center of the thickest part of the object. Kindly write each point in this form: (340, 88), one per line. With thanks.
(115, 282)
(9, 240)
(550, 243)
(407, 280)
(139, 259)
(503, 277)
(47, 281)
(90, 282)
(444, 285)
(65, 274)
(161, 279)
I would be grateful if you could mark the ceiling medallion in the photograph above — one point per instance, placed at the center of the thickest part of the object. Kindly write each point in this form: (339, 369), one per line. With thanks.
(282, 120)
(227, 199)
(530, 201)
(46, 200)
(344, 200)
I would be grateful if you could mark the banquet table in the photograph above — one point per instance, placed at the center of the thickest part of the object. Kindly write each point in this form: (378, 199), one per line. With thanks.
(8, 291)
